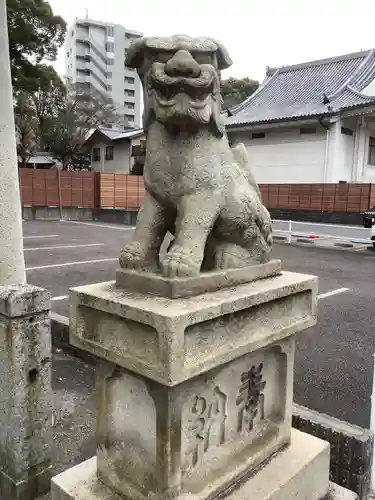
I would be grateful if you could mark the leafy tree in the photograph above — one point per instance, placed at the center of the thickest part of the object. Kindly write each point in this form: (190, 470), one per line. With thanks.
(35, 34)
(83, 110)
(235, 91)
(48, 102)
(139, 155)
(25, 129)
(138, 166)
(81, 160)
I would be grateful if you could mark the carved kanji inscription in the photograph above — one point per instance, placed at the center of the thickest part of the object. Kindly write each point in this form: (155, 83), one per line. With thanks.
(250, 400)
(208, 424)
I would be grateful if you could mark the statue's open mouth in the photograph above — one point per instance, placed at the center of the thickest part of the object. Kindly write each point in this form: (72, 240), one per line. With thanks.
(198, 89)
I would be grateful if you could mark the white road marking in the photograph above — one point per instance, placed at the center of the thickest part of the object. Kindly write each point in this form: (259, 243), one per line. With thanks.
(41, 236)
(121, 228)
(61, 297)
(66, 264)
(333, 292)
(63, 246)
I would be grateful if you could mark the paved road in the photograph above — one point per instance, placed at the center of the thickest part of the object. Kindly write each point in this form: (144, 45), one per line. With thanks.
(334, 360)
(337, 231)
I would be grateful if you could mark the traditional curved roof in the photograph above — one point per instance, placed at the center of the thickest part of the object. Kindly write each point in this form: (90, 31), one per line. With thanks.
(315, 88)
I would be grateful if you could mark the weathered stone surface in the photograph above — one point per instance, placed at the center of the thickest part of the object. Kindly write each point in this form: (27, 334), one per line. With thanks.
(351, 448)
(299, 471)
(25, 392)
(81, 483)
(202, 390)
(337, 492)
(197, 186)
(219, 425)
(152, 283)
(171, 340)
(19, 300)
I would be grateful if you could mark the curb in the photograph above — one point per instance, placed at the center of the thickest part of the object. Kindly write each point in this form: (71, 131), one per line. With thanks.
(306, 240)
(344, 245)
(337, 492)
(351, 448)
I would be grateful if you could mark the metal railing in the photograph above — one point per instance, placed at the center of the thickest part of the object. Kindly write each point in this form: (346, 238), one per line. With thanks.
(339, 233)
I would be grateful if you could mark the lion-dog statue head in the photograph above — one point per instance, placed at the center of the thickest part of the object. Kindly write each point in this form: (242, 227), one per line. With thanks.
(181, 80)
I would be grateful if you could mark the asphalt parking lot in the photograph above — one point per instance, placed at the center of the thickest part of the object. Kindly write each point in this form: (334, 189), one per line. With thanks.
(334, 360)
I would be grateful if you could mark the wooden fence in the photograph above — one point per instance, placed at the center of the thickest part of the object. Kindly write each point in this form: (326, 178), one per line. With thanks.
(119, 191)
(319, 197)
(52, 188)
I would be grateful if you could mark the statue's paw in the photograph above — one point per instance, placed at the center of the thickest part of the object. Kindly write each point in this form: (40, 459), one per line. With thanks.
(133, 256)
(180, 262)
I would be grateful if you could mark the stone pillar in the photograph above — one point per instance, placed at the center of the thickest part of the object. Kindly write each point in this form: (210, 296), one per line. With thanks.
(25, 341)
(12, 265)
(196, 391)
(336, 170)
(25, 392)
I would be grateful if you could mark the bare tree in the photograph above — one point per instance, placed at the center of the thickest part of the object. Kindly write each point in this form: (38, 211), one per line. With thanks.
(83, 110)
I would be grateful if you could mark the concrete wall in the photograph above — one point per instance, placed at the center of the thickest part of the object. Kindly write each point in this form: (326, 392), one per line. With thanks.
(129, 217)
(284, 155)
(366, 172)
(340, 161)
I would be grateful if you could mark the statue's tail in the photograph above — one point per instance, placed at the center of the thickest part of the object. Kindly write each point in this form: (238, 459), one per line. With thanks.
(242, 158)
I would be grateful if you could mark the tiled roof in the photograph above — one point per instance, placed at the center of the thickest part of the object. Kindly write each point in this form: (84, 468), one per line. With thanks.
(129, 134)
(111, 133)
(115, 133)
(299, 91)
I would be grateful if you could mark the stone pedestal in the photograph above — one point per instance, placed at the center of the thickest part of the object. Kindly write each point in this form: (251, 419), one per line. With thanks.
(195, 393)
(300, 471)
(25, 392)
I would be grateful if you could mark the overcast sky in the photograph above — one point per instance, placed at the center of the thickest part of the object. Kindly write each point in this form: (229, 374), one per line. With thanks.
(257, 34)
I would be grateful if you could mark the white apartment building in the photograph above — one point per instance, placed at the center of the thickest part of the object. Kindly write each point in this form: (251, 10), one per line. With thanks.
(95, 54)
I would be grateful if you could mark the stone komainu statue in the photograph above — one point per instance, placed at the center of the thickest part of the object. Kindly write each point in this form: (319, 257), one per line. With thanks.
(197, 186)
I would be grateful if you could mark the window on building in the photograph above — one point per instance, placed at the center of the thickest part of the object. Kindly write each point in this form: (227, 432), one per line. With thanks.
(129, 93)
(129, 69)
(95, 154)
(109, 153)
(346, 131)
(110, 31)
(109, 74)
(258, 135)
(109, 88)
(129, 79)
(129, 105)
(110, 62)
(110, 47)
(371, 151)
(307, 130)
(80, 72)
(67, 54)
